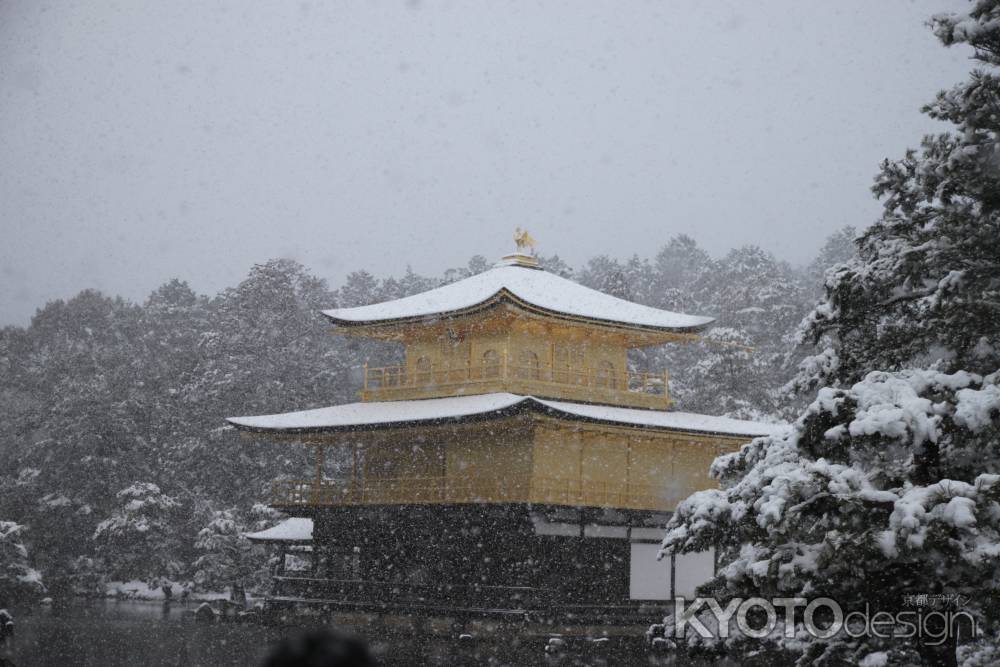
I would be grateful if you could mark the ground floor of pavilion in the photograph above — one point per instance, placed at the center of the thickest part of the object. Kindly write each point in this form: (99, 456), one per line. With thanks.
(522, 562)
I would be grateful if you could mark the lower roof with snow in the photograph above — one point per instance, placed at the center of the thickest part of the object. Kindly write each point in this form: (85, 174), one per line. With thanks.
(296, 529)
(358, 416)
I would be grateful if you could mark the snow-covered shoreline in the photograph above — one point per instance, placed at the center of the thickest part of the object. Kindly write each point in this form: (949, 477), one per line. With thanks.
(140, 591)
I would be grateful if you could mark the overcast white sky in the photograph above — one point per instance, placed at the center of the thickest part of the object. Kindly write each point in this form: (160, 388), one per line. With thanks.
(144, 141)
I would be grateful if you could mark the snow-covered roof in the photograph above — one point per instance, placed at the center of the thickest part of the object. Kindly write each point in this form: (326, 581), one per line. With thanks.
(353, 416)
(532, 288)
(296, 529)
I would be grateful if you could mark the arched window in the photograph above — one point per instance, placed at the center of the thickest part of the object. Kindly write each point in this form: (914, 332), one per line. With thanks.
(528, 366)
(606, 375)
(491, 364)
(423, 375)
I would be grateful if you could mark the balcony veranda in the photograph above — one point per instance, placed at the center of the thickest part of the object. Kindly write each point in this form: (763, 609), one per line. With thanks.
(448, 490)
(636, 389)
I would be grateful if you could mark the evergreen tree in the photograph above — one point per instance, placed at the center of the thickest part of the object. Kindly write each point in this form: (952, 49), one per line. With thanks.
(679, 270)
(140, 541)
(838, 248)
(924, 287)
(739, 367)
(226, 558)
(555, 264)
(18, 580)
(888, 483)
(729, 377)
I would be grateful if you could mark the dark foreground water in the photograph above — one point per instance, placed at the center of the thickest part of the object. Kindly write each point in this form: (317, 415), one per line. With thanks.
(130, 633)
(111, 633)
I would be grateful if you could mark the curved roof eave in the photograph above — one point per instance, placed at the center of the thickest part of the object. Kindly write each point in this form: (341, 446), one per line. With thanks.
(504, 405)
(530, 288)
(495, 413)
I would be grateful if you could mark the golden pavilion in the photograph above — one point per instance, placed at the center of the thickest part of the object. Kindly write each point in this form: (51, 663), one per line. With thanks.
(514, 464)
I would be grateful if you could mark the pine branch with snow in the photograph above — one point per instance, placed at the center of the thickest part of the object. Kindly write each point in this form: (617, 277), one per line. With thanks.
(886, 488)
(226, 558)
(139, 540)
(18, 579)
(925, 286)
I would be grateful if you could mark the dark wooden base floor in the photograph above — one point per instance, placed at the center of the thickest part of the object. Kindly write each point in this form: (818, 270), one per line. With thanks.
(470, 561)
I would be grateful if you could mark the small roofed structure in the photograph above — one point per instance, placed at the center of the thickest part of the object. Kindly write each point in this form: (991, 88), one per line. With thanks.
(298, 530)
(292, 536)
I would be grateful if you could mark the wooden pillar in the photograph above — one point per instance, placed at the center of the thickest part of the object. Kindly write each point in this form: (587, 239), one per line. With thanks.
(666, 386)
(628, 470)
(673, 577)
(323, 544)
(282, 553)
(356, 488)
(319, 466)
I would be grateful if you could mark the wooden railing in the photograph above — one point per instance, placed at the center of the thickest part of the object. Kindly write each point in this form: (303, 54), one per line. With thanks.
(594, 493)
(638, 388)
(402, 594)
(571, 603)
(449, 490)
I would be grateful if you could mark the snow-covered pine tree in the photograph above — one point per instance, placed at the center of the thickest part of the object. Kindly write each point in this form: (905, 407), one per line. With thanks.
(678, 269)
(18, 580)
(227, 559)
(729, 377)
(758, 302)
(888, 484)
(139, 540)
(877, 492)
(555, 264)
(838, 248)
(924, 287)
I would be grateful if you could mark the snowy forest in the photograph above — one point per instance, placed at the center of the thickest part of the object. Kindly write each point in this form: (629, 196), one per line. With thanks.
(116, 462)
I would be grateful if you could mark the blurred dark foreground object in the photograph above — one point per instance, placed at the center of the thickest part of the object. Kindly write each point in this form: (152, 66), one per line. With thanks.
(320, 648)
(6, 625)
(6, 632)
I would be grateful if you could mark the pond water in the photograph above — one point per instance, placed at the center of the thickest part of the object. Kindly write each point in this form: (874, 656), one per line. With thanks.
(130, 633)
(112, 632)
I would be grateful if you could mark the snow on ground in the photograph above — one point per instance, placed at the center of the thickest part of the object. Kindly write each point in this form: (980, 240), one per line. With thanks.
(139, 590)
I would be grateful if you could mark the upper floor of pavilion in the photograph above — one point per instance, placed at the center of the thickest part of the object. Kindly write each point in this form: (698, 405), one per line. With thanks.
(520, 329)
